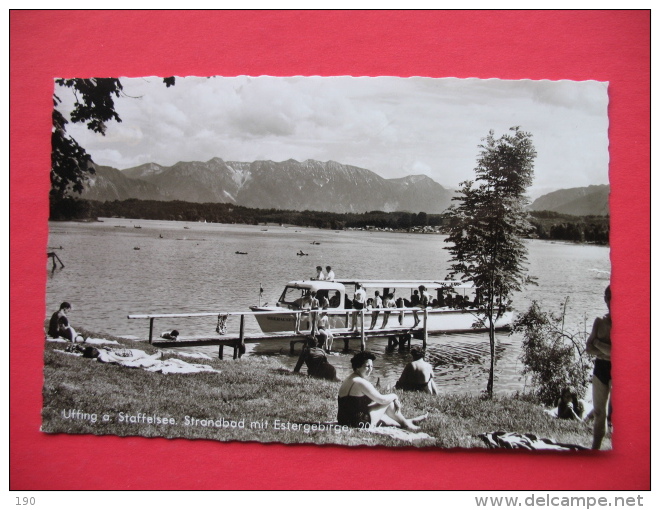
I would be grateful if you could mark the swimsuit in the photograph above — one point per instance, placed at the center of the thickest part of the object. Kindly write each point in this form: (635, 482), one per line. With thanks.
(603, 370)
(353, 411)
(413, 386)
(602, 367)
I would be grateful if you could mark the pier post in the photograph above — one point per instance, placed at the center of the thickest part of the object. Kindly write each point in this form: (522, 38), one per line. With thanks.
(239, 349)
(221, 349)
(425, 335)
(151, 329)
(363, 340)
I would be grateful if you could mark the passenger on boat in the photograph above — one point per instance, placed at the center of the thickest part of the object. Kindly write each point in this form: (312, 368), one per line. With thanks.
(477, 298)
(389, 303)
(316, 361)
(377, 305)
(359, 302)
(599, 344)
(568, 405)
(319, 274)
(53, 325)
(330, 274)
(414, 300)
(335, 300)
(359, 404)
(418, 374)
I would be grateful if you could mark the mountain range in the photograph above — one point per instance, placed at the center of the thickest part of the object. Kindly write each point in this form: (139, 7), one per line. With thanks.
(589, 200)
(308, 185)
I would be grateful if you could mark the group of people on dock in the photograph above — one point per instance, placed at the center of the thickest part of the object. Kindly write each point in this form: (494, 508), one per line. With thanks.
(378, 304)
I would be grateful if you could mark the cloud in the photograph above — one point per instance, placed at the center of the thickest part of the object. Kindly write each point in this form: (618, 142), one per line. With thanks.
(393, 126)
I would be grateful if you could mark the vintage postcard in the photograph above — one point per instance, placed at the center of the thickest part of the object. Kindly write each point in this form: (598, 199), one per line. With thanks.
(331, 260)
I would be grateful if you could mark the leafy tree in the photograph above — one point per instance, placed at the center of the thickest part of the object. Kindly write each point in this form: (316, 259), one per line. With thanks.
(94, 105)
(487, 227)
(551, 354)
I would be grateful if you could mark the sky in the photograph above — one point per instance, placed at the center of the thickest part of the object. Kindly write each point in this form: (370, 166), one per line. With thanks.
(392, 126)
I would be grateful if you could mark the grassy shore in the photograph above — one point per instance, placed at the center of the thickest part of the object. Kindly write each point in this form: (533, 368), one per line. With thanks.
(257, 392)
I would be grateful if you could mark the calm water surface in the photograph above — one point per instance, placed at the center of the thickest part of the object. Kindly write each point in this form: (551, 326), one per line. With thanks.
(183, 267)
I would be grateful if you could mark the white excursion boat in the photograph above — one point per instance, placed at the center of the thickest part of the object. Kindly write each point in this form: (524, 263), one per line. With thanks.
(443, 316)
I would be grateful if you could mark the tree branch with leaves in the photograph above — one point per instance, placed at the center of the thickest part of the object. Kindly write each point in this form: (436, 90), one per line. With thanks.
(94, 105)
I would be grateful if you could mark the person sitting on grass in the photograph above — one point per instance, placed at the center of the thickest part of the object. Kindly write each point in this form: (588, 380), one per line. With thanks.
(67, 332)
(362, 405)
(568, 405)
(313, 356)
(53, 325)
(418, 374)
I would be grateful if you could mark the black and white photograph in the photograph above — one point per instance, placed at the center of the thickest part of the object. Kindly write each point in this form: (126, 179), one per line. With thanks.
(357, 261)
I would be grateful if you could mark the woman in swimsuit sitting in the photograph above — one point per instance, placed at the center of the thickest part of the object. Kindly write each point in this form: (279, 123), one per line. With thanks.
(361, 405)
(418, 374)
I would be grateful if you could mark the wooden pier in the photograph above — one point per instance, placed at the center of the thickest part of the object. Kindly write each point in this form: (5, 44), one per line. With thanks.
(396, 334)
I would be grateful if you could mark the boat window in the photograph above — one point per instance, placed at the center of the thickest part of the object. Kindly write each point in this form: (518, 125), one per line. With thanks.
(291, 294)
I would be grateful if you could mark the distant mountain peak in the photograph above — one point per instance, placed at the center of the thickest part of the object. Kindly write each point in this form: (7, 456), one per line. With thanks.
(582, 201)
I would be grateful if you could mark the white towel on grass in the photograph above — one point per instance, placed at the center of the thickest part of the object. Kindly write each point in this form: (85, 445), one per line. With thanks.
(136, 358)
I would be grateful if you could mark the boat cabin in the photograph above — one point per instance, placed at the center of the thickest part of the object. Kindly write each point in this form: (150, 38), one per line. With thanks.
(295, 291)
(444, 293)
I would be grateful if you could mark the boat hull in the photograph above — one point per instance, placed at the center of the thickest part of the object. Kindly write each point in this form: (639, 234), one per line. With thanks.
(438, 320)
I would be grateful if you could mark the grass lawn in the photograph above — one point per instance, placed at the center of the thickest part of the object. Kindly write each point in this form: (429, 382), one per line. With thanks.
(245, 400)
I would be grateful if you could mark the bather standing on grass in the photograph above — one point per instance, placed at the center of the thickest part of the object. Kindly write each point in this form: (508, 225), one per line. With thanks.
(599, 344)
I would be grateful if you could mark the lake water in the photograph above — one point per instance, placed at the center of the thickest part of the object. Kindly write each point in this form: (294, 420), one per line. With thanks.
(184, 267)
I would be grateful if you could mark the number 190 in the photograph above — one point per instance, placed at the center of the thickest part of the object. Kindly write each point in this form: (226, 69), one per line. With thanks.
(25, 501)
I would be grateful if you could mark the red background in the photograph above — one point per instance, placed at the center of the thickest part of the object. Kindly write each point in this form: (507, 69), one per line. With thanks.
(611, 46)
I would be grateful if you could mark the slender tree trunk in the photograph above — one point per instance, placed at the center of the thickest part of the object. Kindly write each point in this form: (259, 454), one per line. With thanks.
(491, 375)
